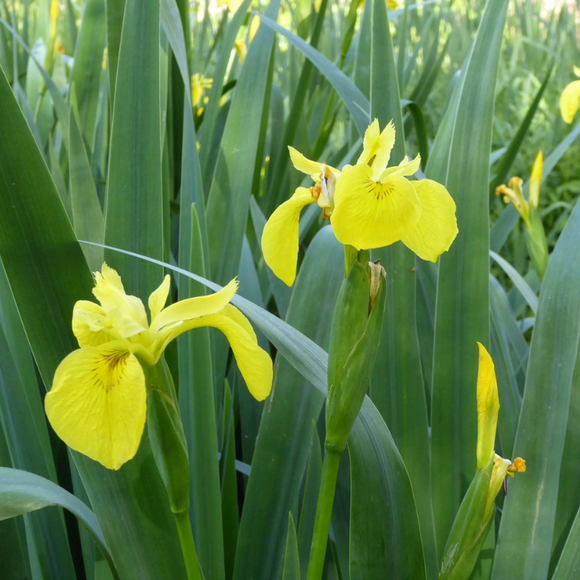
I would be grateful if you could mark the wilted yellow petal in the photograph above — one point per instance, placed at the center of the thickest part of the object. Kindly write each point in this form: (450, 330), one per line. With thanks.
(569, 100)
(171, 322)
(536, 180)
(377, 147)
(158, 298)
(305, 165)
(97, 404)
(280, 236)
(518, 465)
(110, 293)
(487, 409)
(372, 214)
(437, 226)
(91, 326)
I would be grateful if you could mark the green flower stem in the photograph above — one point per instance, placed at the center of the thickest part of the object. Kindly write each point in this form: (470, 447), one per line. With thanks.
(323, 514)
(188, 545)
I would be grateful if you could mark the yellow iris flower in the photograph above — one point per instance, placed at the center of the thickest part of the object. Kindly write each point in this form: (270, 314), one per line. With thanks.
(570, 99)
(368, 205)
(487, 413)
(98, 401)
(199, 84)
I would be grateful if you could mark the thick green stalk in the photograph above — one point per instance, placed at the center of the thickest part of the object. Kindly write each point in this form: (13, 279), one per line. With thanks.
(187, 545)
(323, 514)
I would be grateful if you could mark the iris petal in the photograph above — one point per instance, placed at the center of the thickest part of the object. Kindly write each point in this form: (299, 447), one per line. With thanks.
(110, 292)
(305, 165)
(487, 408)
(97, 404)
(569, 101)
(158, 298)
(170, 318)
(91, 326)
(406, 167)
(437, 227)
(372, 214)
(377, 147)
(280, 236)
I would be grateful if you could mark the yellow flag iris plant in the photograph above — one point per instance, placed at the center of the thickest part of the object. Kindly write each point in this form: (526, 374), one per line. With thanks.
(98, 401)
(368, 204)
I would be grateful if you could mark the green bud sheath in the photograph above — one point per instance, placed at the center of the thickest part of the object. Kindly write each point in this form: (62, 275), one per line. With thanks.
(168, 440)
(536, 243)
(354, 341)
(470, 528)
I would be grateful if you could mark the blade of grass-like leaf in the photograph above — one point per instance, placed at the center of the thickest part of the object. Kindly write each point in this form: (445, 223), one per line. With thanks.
(229, 196)
(86, 208)
(206, 131)
(27, 442)
(354, 100)
(115, 13)
(134, 182)
(519, 282)
(22, 492)
(283, 440)
(291, 559)
(507, 159)
(397, 386)
(88, 63)
(569, 563)
(461, 155)
(39, 251)
(568, 501)
(526, 530)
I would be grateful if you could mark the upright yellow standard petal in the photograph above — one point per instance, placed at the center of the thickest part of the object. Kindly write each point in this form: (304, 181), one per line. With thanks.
(280, 236)
(536, 180)
(406, 167)
(569, 100)
(97, 404)
(372, 214)
(312, 168)
(437, 226)
(158, 298)
(377, 147)
(487, 408)
(110, 292)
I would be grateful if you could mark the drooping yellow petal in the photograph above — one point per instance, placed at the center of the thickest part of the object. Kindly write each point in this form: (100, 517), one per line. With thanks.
(158, 298)
(91, 325)
(487, 408)
(168, 324)
(97, 404)
(536, 179)
(110, 292)
(305, 165)
(569, 100)
(280, 236)
(372, 214)
(254, 363)
(377, 147)
(437, 226)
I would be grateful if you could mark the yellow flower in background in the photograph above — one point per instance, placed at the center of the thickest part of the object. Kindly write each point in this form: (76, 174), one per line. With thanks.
(98, 401)
(487, 414)
(376, 206)
(536, 179)
(513, 192)
(368, 205)
(570, 99)
(199, 84)
(241, 49)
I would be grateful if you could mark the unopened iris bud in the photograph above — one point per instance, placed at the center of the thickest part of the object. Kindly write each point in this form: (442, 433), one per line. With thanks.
(354, 340)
